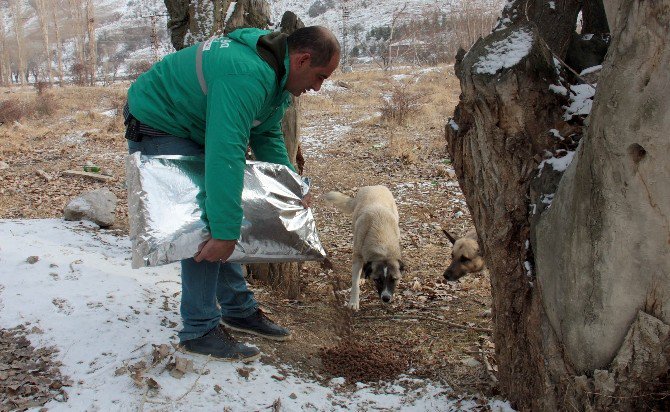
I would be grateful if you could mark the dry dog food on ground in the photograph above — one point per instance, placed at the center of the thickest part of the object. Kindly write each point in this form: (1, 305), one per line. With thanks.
(366, 361)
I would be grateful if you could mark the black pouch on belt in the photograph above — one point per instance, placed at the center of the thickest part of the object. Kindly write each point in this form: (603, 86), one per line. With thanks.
(133, 129)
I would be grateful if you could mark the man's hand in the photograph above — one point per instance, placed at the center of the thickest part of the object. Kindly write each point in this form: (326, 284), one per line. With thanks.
(215, 250)
(307, 201)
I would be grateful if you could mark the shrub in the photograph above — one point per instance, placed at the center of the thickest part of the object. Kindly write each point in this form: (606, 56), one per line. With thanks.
(138, 67)
(45, 104)
(11, 111)
(42, 86)
(78, 71)
(400, 105)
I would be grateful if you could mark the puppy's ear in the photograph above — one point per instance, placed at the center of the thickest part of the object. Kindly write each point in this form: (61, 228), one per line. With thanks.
(367, 270)
(449, 236)
(402, 265)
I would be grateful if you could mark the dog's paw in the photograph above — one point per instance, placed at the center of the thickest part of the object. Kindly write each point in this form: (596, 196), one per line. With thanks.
(352, 305)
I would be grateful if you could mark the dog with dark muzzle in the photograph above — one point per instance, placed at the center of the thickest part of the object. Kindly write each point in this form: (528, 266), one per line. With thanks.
(376, 251)
(465, 256)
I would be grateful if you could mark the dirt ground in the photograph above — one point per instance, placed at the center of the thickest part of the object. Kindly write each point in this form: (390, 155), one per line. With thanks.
(441, 328)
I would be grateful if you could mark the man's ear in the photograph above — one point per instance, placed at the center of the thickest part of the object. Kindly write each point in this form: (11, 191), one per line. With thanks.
(304, 59)
(367, 270)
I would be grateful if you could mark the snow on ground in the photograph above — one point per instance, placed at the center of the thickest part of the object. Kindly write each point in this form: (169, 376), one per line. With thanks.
(581, 101)
(103, 315)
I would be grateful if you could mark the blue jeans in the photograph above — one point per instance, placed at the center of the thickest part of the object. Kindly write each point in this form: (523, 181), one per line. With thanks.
(209, 290)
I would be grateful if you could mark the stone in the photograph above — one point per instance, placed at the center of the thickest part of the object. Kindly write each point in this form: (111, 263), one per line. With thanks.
(96, 206)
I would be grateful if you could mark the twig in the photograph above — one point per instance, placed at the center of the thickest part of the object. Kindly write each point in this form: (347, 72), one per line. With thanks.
(139, 347)
(144, 399)
(276, 405)
(95, 176)
(202, 370)
(44, 174)
(455, 325)
(579, 76)
(487, 365)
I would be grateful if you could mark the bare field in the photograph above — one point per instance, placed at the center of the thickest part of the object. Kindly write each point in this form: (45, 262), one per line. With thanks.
(348, 142)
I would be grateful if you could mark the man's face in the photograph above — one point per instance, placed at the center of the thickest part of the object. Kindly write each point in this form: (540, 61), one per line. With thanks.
(302, 76)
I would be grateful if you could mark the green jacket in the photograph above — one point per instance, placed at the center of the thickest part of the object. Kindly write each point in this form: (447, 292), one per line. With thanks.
(243, 106)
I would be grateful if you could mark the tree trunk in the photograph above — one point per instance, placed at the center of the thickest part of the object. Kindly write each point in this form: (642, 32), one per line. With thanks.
(16, 6)
(90, 30)
(41, 11)
(554, 24)
(595, 20)
(580, 311)
(59, 46)
(5, 71)
(244, 13)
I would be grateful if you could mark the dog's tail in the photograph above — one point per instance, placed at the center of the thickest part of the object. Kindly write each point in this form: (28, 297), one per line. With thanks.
(340, 201)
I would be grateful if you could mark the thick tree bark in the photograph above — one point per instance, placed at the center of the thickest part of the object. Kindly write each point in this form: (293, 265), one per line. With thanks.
(499, 128)
(591, 330)
(602, 249)
(555, 20)
(595, 20)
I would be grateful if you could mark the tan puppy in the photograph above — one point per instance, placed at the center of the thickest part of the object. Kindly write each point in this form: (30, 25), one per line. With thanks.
(465, 256)
(376, 240)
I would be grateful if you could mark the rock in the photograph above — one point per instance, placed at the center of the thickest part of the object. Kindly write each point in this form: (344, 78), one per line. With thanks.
(96, 206)
(3, 165)
(343, 84)
(471, 362)
(32, 259)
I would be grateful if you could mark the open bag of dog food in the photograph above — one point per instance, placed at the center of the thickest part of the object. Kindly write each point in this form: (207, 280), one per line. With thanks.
(165, 211)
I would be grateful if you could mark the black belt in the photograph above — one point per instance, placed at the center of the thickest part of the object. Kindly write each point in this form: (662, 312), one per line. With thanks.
(135, 129)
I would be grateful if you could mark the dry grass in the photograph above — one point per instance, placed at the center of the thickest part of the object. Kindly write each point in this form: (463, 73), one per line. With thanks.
(409, 158)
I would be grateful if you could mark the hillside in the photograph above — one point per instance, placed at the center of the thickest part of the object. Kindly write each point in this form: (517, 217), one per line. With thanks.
(124, 28)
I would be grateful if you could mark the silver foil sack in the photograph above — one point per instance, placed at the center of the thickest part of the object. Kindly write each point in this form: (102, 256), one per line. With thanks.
(165, 205)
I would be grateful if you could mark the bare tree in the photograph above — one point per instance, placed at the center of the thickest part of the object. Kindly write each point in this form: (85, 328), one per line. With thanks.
(394, 20)
(53, 4)
(90, 31)
(41, 11)
(17, 14)
(5, 71)
(579, 260)
(75, 10)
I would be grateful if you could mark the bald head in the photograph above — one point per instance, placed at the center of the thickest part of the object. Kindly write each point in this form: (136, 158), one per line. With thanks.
(318, 41)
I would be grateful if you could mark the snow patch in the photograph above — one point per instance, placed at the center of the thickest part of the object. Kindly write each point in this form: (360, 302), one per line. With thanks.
(505, 53)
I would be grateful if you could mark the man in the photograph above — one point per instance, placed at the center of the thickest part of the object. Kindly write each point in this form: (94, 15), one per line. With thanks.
(217, 98)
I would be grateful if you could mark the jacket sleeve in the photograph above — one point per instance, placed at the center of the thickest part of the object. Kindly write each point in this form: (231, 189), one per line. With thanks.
(267, 140)
(232, 103)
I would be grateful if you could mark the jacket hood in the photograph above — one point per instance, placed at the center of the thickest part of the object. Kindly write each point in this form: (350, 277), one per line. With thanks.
(270, 46)
(248, 36)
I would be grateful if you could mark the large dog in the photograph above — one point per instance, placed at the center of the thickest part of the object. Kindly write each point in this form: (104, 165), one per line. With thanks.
(465, 256)
(376, 240)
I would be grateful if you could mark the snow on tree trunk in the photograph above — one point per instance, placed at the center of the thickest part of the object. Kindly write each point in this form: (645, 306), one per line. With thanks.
(603, 248)
(500, 125)
(579, 274)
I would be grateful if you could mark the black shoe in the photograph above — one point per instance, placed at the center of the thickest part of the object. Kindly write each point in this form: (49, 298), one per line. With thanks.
(219, 344)
(258, 324)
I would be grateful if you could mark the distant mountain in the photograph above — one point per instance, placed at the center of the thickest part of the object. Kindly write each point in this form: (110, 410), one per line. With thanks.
(125, 29)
